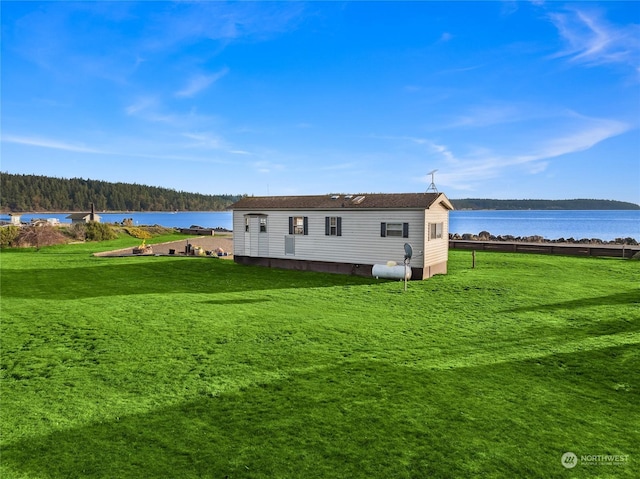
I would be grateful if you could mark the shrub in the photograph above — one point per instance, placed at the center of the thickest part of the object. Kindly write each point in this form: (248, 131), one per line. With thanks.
(159, 230)
(44, 235)
(138, 233)
(99, 231)
(77, 231)
(8, 235)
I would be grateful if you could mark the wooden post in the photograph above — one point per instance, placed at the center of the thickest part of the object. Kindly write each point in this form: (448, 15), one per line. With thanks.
(405, 274)
(473, 259)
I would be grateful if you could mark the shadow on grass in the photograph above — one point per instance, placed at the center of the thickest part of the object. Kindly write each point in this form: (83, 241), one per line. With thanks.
(159, 275)
(617, 299)
(355, 419)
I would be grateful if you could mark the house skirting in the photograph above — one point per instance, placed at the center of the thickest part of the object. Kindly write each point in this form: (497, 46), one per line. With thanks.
(331, 267)
(432, 270)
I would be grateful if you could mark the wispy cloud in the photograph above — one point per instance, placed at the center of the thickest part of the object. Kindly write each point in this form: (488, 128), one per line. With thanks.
(52, 144)
(200, 82)
(212, 141)
(433, 147)
(338, 167)
(205, 140)
(266, 167)
(489, 115)
(189, 22)
(591, 40)
(140, 105)
(486, 163)
(593, 132)
(152, 110)
(120, 150)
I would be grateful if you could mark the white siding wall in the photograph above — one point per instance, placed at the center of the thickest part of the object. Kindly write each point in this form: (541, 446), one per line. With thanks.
(239, 234)
(360, 242)
(436, 250)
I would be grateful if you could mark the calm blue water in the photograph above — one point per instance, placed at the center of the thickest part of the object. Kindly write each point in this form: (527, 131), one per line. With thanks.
(605, 225)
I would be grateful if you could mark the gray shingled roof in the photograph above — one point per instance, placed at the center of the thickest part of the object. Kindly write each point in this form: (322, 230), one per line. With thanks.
(324, 202)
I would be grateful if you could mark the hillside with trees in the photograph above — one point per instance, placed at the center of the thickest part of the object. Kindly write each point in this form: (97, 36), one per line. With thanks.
(578, 204)
(20, 193)
(43, 193)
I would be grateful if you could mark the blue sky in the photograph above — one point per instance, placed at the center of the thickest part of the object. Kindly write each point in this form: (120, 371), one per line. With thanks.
(504, 99)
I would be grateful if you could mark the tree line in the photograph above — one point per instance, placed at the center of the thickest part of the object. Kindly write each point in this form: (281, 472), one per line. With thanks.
(577, 204)
(44, 193)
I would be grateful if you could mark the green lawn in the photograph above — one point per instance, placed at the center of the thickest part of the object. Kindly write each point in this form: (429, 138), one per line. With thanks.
(174, 367)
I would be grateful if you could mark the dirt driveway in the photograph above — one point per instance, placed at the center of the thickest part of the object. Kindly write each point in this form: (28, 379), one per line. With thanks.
(223, 242)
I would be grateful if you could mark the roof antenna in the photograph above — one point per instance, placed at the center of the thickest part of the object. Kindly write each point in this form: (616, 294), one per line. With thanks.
(432, 186)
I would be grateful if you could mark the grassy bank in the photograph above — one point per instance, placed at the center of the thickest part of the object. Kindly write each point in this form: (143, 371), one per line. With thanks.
(196, 367)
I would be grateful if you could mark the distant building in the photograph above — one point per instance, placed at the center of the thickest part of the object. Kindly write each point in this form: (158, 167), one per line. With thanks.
(15, 218)
(343, 233)
(45, 221)
(84, 217)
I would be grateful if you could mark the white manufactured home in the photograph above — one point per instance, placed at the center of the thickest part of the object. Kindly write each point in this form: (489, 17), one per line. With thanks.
(343, 233)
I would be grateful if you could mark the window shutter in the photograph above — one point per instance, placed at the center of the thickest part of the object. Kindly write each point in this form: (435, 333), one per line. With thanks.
(290, 225)
(305, 225)
(327, 226)
(383, 229)
(339, 225)
(405, 230)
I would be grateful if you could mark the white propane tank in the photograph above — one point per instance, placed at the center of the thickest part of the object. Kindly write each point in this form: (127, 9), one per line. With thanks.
(387, 271)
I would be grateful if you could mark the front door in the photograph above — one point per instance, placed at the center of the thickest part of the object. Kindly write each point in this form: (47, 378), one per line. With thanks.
(256, 238)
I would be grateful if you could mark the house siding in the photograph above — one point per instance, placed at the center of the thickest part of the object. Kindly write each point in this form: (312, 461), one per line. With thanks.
(436, 252)
(360, 240)
(360, 244)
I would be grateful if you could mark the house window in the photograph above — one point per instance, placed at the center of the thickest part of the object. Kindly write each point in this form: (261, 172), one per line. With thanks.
(298, 225)
(435, 231)
(400, 230)
(333, 225)
(246, 223)
(263, 225)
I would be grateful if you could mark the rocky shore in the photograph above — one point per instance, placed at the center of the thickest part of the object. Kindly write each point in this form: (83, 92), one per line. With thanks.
(486, 236)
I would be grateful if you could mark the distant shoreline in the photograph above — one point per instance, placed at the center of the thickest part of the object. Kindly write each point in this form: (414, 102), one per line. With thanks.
(487, 204)
(605, 205)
